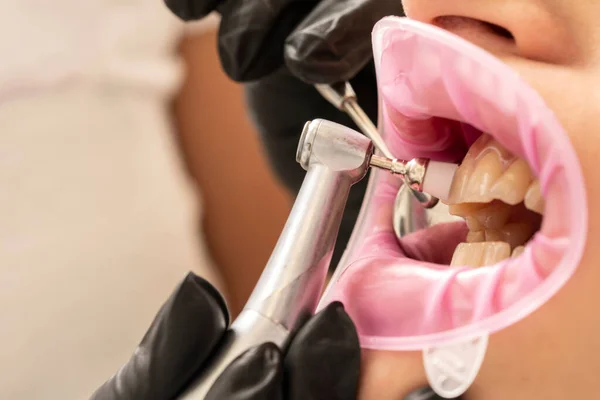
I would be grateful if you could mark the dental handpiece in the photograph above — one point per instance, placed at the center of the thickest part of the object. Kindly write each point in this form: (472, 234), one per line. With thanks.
(288, 291)
(342, 96)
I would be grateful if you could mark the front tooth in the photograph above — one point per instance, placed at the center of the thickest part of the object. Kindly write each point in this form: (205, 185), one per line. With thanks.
(512, 185)
(459, 182)
(480, 254)
(485, 174)
(533, 198)
(489, 172)
(465, 170)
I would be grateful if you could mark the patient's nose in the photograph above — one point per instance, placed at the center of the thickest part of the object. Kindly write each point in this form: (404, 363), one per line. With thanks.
(529, 29)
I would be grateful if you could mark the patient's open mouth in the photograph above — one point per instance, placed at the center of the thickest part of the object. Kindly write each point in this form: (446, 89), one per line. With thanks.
(519, 189)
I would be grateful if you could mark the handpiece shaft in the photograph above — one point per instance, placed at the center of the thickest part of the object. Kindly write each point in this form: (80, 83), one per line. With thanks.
(301, 258)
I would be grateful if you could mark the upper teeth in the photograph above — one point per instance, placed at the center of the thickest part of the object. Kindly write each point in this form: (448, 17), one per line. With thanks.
(490, 172)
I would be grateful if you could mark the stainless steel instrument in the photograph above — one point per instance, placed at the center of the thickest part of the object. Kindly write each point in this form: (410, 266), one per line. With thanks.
(342, 96)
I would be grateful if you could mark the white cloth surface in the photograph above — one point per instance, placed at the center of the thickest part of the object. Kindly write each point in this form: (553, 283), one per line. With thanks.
(98, 220)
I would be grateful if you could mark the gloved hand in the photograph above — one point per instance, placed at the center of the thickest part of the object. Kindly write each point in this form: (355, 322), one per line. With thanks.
(280, 48)
(322, 361)
(321, 41)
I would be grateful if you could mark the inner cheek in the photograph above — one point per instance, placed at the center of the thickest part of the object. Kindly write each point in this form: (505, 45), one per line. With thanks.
(390, 375)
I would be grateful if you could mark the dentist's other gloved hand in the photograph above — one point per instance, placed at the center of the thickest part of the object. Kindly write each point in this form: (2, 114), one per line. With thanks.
(279, 49)
(322, 361)
(321, 41)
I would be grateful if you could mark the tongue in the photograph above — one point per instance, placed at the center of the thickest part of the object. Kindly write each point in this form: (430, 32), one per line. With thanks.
(436, 244)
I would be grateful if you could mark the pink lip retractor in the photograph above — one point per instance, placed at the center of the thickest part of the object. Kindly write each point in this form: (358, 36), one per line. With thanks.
(438, 92)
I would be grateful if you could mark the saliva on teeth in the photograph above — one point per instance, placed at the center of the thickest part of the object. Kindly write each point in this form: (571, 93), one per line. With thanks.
(500, 200)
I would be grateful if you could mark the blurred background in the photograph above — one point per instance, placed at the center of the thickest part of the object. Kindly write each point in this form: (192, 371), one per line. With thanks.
(126, 160)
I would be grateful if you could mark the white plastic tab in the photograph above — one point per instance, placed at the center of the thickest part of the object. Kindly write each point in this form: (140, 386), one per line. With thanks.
(451, 369)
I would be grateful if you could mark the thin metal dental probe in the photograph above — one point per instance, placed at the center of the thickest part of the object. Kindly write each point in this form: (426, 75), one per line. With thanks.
(342, 96)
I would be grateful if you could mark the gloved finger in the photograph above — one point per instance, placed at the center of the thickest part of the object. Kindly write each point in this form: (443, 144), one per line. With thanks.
(252, 34)
(182, 336)
(323, 360)
(255, 374)
(189, 10)
(333, 43)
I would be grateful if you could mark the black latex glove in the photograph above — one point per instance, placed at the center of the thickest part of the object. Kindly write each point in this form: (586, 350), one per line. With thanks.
(322, 361)
(325, 41)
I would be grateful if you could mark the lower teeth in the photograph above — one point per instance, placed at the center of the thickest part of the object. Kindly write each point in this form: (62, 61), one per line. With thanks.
(480, 254)
(483, 253)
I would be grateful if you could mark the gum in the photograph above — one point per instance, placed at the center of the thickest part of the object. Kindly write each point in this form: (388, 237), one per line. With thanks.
(401, 304)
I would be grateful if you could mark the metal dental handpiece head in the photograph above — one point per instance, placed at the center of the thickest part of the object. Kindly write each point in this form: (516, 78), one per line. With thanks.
(342, 96)
(335, 157)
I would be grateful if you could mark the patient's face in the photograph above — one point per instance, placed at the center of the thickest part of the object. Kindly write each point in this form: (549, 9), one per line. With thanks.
(554, 353)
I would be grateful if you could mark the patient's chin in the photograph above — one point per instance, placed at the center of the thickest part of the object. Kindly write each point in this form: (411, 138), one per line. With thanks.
(390, 375)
